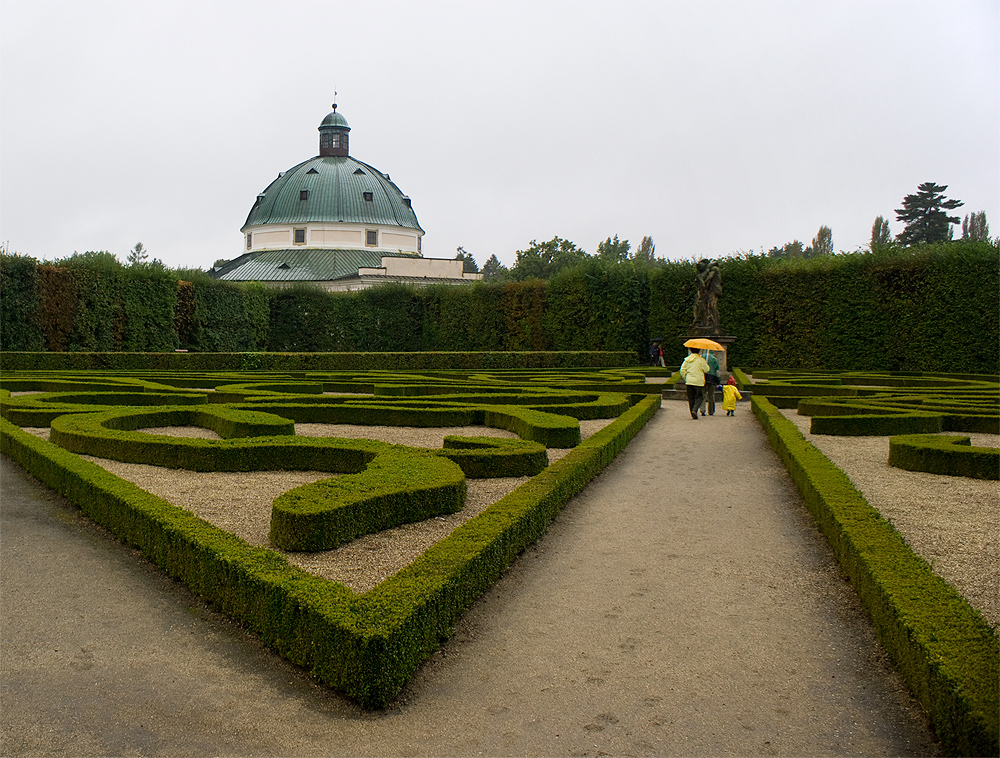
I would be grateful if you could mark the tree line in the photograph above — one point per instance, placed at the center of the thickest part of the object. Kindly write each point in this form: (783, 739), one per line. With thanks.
(924, 215)
(925, 218)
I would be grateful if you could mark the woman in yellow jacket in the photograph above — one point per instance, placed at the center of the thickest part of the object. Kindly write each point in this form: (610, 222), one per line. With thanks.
(693, 372)
(729, 396)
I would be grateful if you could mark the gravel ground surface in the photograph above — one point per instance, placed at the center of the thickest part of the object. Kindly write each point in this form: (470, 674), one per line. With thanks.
(953, 522)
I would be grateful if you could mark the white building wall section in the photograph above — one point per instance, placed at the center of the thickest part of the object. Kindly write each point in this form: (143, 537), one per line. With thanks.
(277, 238)
(337, 237)
(438, 268)
(398, 241)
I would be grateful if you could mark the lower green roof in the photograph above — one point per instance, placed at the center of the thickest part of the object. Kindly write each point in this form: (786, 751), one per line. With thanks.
(301, 264)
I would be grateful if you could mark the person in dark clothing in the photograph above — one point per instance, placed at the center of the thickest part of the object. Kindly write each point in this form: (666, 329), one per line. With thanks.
(656, 354)
(711, 382)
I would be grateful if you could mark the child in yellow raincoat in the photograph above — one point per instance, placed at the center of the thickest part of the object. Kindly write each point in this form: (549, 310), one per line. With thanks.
(729, 396)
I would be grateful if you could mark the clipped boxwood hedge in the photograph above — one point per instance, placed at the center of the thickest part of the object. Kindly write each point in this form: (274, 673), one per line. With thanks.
(396, 487)
(803, 390)
(365, 413)
(235, 393)
(950, 455)
(945, 650)
(874, 424)
(54, 361)
(493, 457)
(549, 429)
(114, 435)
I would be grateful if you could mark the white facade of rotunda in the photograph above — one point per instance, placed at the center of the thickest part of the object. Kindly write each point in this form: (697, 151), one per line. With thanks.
(329, 235)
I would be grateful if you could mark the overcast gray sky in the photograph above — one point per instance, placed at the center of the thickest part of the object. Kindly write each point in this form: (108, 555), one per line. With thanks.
(714, 127)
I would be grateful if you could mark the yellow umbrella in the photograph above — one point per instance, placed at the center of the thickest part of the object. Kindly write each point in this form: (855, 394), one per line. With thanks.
(703, 344)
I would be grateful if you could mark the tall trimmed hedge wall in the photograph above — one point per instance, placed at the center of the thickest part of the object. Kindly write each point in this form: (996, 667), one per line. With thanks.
(86, 309)
(20, 301)
(932, 308)
(918, 309)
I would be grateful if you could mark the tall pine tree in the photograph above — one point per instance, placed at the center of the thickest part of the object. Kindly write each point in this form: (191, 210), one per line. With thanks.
(468, 262)
(925, 217)
(493, 268)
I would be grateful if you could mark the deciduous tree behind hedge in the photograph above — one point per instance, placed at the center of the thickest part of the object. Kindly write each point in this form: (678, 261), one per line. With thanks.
(930, 307)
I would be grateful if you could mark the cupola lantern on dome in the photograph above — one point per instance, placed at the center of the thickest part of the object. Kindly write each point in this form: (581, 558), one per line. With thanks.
(333, 134)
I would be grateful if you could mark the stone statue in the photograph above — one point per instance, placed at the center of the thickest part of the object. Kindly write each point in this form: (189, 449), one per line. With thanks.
(706, 306)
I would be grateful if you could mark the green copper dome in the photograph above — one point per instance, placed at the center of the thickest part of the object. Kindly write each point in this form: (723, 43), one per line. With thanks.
(332, 189)
(334, 119)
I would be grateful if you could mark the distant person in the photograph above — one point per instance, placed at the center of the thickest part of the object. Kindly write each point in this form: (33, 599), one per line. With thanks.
(693, 372)
(730, 394)
(711, 382)
(655, 354)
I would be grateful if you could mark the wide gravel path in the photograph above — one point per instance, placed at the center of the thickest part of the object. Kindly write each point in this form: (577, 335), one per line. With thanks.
(684, 604)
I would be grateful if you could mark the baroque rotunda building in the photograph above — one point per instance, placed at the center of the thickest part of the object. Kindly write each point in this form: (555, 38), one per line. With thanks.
(336, 222)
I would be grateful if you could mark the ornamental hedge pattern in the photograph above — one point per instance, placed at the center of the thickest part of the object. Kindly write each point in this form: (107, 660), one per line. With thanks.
(367, 644)
(888, 403)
